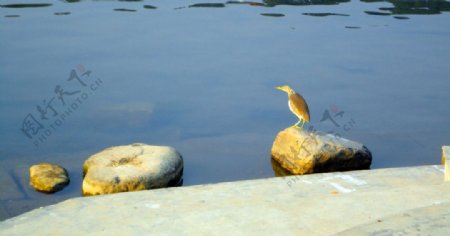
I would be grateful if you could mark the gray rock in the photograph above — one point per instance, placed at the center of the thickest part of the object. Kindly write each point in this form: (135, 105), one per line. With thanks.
(131, 168)
(303, 152)
(48, 178)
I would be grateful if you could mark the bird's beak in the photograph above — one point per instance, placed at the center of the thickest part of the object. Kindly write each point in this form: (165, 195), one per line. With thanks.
(279, 88)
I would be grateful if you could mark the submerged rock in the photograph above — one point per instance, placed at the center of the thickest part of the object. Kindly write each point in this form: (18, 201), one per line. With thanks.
(131, 168)
(48, 178)
(303, 152)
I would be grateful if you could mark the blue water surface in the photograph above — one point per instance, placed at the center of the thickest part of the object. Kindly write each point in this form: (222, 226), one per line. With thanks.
(201, 78)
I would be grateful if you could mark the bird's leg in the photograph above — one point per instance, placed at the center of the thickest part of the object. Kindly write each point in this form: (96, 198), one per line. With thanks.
(303, 123)
(296, 124)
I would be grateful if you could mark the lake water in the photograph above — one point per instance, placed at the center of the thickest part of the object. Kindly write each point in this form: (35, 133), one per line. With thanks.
(86, 75)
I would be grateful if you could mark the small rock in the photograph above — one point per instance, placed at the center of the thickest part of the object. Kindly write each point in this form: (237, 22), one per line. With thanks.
(48, 178)
(303, 152)
(131, 168)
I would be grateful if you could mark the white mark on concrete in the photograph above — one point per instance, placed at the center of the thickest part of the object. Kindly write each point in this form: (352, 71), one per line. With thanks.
(352, 179)
(439, 168)
(306, 181)
(348, 178)
(53, 214)
(152, 206)
(341, 188)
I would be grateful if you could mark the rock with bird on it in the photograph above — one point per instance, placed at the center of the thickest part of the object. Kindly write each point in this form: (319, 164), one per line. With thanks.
(48, 178)
(131, 168)
(303, 152)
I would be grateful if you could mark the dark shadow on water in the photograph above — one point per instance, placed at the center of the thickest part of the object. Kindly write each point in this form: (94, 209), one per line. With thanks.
(258, 4)
(303, 2)
(272, 14)
(125, 10)
(12, 16)
(324, 14)
(26, 5)
(377, 13)
(210, 5)
(352, 27)
(401, 17)
(62, 13)
(149, 7)
(415, 7)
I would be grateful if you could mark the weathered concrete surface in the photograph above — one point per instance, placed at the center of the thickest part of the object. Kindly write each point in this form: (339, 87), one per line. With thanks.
(446, 161)
(318, 204)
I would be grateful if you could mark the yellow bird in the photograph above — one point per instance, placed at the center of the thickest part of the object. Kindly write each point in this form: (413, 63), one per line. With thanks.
(297, 105)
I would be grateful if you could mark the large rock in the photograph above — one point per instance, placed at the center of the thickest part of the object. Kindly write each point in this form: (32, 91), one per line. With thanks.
(131, 168)
(303, 152)
(48, 178)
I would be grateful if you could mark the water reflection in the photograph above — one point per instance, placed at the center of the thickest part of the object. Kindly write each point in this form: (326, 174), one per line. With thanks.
(62, 13)
(149, 7)
(278, 170)
(125, 10)
(247, 3)
(377, 13)
(324, 14)
(26, 5)
(272, 14)
(211, 5)
(303, 2)
(415, 7)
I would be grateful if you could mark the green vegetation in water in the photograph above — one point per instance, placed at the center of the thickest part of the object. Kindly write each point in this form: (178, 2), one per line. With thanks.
(212, 5)
(324, 14)
(26, 5)
(303, 2)
(149, 7)
(124, 10)
(377, 13)
(415, 7)
(62, 13)
(272, 14)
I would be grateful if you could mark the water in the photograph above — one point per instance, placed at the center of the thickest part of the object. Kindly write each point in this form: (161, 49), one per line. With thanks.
(201, 79)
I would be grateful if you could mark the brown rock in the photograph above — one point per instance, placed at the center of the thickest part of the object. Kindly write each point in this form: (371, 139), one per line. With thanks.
(48, 178)
(303, 152)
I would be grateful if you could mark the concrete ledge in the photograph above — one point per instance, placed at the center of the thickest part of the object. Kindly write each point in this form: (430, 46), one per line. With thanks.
(446, 161)
(320, 204)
